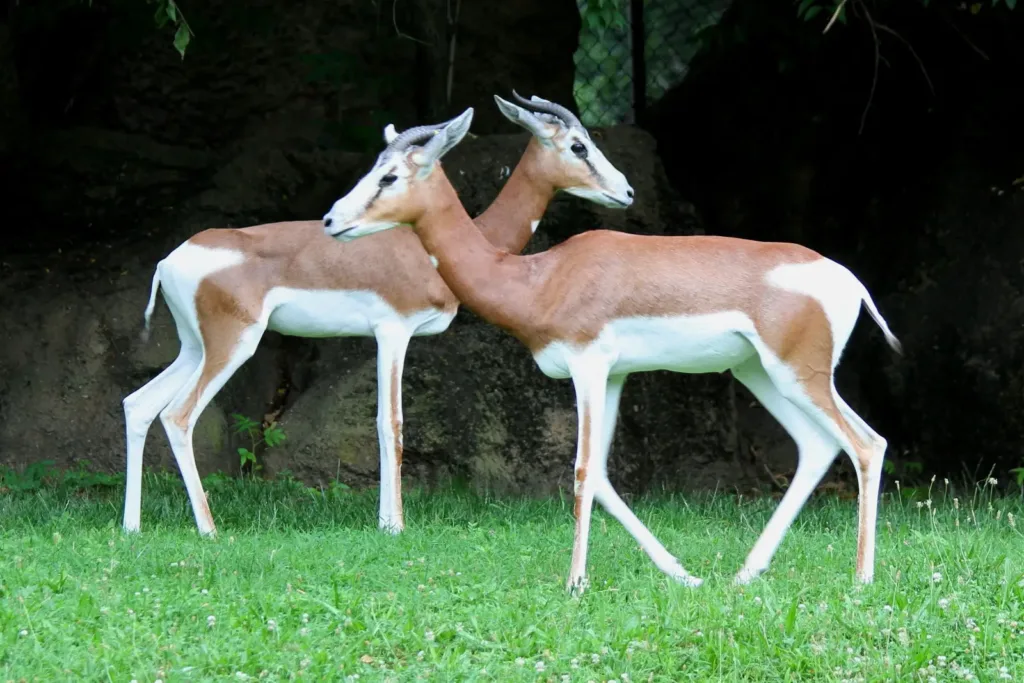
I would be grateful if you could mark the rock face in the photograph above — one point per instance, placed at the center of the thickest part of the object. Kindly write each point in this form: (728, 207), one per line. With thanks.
(115, 150)
(476, 407)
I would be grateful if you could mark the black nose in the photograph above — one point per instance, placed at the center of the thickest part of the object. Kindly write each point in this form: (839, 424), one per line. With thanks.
(329, 221)
(629, 193)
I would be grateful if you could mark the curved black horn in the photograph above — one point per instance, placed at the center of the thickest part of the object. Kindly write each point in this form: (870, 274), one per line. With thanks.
(414, 135)
(549, 108)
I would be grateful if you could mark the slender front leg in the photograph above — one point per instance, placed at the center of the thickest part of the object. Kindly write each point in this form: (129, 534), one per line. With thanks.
(590, 381)
(610, 500)
(392, 343)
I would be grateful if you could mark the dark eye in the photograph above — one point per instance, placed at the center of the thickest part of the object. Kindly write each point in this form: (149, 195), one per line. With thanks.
(579, 149)
(389, 179)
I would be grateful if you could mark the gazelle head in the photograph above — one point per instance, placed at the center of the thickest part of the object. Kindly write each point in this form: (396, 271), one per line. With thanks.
(399, 186)
(566, 155)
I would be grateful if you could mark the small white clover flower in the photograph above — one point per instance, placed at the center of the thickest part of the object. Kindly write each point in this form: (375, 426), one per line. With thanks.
(23, 632)
(211, 621)
(539, 666)
(943, 604)
(271, 625)
(429, 635)
(936, 577)
(520, 661)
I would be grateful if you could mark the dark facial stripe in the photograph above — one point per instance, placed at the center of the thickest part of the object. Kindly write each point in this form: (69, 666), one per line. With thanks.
(379, 191)
(593, 170)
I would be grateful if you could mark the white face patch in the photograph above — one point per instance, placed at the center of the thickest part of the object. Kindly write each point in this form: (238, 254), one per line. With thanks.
(398, 167)
(612, 189)
(347, 218)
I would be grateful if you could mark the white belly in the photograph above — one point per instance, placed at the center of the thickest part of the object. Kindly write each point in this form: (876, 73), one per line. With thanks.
(690, 344)
(343, 313)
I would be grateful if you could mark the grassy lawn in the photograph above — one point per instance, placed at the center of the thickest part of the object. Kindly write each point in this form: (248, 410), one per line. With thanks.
(301, 585)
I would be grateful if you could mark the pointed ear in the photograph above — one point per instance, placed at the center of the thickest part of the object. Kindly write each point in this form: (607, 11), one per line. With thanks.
(525, 118)
(444, 140)
(390, 133)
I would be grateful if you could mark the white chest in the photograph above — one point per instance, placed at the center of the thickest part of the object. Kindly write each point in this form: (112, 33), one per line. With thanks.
(692, 344)
(344, 313)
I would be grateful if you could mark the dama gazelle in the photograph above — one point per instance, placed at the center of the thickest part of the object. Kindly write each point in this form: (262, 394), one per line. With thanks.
(603, 304)
(225, 287)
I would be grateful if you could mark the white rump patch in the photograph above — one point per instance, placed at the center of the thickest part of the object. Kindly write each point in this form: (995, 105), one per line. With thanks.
(837, 290)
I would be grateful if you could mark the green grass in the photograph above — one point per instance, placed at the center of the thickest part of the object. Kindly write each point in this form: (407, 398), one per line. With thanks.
(300, 585)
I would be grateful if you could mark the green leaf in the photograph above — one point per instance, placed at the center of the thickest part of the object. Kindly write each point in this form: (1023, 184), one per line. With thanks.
(181, 38)
(1019, 471)
(273, 436)
(813, 12)
(244, 456)
(172, 11)
(791, 616)
(1011, 4)
(805, 5)
(160, 17)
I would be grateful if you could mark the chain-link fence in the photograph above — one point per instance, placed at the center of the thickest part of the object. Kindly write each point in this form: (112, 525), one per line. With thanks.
(631, 52)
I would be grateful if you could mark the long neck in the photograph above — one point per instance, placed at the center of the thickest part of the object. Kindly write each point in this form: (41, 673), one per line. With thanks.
(512, 218)
(491, 282)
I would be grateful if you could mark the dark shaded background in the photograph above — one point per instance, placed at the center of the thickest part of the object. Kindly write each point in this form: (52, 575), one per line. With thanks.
(113, 150)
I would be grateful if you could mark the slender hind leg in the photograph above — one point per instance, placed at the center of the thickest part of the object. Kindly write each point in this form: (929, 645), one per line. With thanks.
(143, 406)
(392, 342)
(222, 356)
(140, 409)
(869, 480)
(816, 451)
(816, 396)
(610, 500)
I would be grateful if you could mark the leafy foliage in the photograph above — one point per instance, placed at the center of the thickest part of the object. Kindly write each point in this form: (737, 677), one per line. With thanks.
(269, 436)
(168, 13)
(810, 9)
(42, 474)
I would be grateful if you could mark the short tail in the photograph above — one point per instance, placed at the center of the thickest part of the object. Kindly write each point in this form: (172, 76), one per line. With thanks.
(890, 338)
(154, 288)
